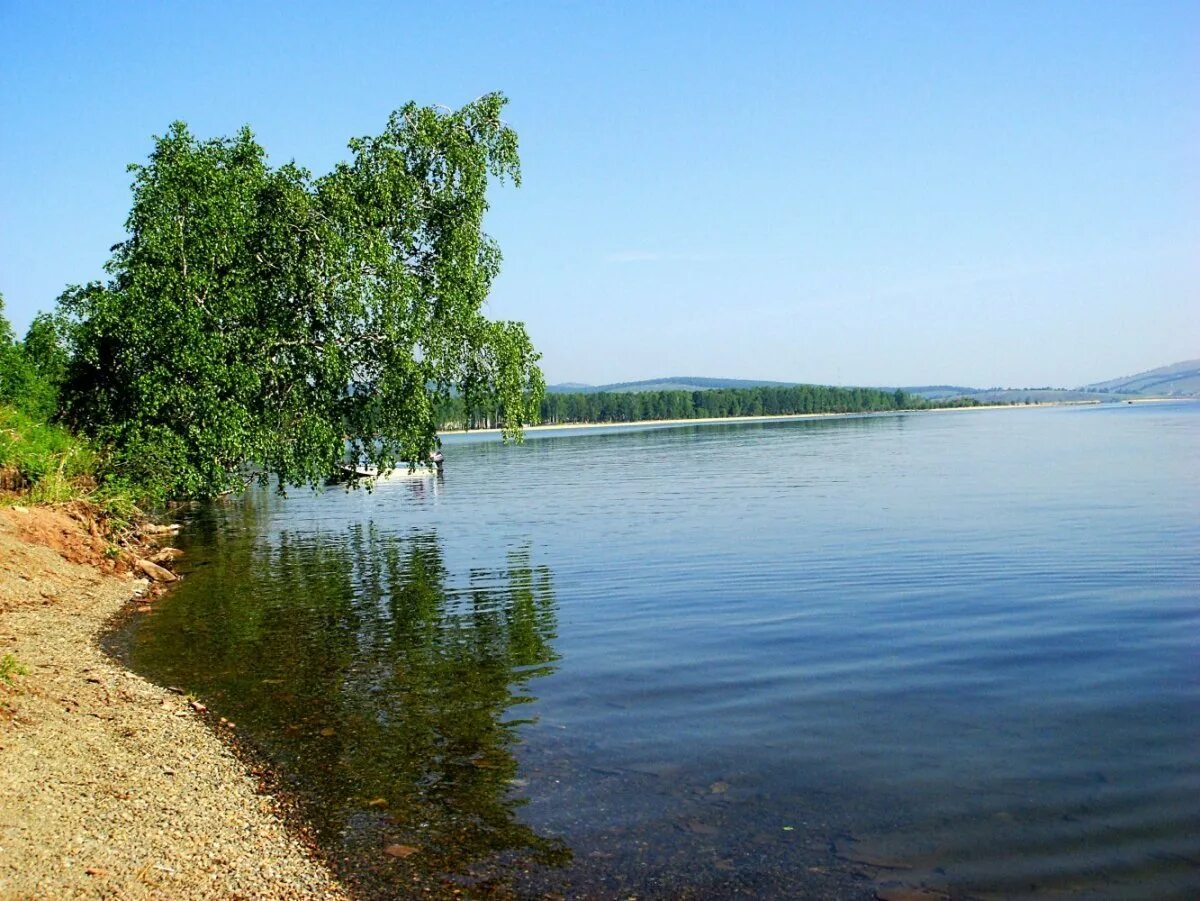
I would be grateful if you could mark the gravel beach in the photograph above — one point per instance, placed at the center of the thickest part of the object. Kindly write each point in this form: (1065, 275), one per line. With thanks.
(111, 786)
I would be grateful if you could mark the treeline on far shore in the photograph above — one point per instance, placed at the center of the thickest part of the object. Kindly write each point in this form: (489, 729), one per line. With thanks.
(718, 403)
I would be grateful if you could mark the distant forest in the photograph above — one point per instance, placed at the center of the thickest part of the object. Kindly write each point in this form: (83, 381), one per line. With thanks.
(636, 406)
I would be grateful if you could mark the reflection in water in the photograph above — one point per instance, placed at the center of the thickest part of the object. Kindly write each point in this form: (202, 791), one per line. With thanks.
(387, 696)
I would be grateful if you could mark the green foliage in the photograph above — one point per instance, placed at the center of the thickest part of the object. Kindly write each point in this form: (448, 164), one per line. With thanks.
(10, 668)
(21, 383)
(47, 464)
(44, 458)
(117, 502)
(45, 347)
(262, 322)
(951, 403)
(634, 406)
(639, 406)
(6, 332)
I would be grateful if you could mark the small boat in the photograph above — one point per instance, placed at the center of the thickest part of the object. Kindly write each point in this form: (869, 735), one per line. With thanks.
(404, 470)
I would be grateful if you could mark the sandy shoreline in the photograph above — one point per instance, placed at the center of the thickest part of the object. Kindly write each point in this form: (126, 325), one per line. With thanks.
(111, 786)
(777, 418)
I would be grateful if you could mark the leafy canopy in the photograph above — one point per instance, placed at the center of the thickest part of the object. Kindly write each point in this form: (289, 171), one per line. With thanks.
(23, 384)
(259, 321)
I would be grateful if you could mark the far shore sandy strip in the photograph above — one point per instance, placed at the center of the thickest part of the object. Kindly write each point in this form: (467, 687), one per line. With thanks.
(796, 416)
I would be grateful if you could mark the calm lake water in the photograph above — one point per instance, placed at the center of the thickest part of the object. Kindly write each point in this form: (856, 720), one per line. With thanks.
(785, 659)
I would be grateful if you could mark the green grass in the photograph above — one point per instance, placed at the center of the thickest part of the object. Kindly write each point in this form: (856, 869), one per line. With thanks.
(10, 668)
(43, 463)
(43, 460)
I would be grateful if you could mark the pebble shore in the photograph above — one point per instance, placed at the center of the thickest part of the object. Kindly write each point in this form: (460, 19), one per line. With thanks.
(111, 786)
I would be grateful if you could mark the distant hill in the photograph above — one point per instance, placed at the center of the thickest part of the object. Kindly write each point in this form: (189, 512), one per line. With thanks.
(1176, 380)
(570, 388)
(1035, 395)
(1000, 395)
(937, 392)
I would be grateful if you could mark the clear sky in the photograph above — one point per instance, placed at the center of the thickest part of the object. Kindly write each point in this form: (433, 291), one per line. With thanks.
(882, 193)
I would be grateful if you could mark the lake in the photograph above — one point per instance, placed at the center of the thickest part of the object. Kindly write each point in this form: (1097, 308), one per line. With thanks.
(773, 659)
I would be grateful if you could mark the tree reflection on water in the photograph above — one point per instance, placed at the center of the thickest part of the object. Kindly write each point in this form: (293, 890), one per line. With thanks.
(385, 692)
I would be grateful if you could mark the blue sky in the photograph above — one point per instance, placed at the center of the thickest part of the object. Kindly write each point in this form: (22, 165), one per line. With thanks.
(981, 193)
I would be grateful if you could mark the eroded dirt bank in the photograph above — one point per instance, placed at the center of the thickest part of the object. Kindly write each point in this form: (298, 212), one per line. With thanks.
(111, 786)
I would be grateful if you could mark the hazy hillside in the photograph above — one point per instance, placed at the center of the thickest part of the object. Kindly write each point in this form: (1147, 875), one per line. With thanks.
(1178, 379)
(1005, 395)
(929, 392)
(1036, 395)
(936, 392)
